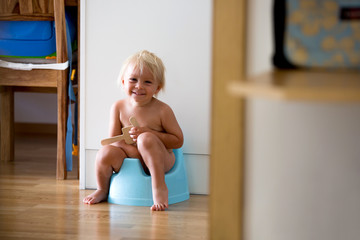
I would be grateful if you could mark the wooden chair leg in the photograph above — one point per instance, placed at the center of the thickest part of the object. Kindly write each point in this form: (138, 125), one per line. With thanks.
(7, 124)
(61, 172)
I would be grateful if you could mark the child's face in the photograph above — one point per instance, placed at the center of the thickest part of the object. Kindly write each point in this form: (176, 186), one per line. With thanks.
(140, 87)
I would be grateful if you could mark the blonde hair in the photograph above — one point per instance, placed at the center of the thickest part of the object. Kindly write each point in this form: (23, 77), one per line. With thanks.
(144, 59)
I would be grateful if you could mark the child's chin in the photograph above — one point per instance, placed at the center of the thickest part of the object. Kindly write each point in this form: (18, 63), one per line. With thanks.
(141, 99)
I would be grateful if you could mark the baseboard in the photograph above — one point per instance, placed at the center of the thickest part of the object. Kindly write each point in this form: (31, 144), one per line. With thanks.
(48, 128)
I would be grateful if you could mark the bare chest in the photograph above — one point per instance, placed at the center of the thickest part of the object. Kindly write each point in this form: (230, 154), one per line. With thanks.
(146, 117)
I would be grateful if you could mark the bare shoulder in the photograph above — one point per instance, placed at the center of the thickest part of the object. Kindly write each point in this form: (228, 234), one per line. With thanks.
(118, 106)
(118, 103)
(163, 107)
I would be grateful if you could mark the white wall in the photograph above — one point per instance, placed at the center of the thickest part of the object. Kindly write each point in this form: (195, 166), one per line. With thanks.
(35, 107)
(179, 32)
(302, 158)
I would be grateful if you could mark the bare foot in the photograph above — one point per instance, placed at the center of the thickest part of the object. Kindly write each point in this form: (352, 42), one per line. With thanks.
(96, 197)
(160, 197)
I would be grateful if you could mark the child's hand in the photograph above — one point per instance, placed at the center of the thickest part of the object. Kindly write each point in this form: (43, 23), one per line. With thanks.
(136, 131)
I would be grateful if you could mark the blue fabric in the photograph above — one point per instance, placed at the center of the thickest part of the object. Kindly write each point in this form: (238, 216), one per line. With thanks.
(72, 98)
(316, 36)
(31, 38)
(27, 38)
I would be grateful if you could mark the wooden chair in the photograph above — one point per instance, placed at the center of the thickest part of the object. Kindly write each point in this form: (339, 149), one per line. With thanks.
(35, 80)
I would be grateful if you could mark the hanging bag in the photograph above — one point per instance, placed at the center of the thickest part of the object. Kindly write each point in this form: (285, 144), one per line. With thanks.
(317, 33)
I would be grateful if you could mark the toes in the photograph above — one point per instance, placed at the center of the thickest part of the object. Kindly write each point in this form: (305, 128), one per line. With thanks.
(154, 207)
(96, 197)
(163, 207)
(87, 200)
(159, 207)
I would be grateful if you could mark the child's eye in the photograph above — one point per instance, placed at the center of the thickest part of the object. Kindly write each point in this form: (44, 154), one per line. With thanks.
(148, 82)
(132, 79)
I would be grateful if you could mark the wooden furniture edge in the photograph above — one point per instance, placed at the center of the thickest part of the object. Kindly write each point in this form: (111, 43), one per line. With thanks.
(305, 85)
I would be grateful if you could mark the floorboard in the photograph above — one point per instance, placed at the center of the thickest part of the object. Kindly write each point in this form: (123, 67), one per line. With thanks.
(34, 205)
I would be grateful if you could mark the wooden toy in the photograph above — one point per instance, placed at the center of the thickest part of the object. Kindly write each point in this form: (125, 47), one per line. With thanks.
(125, 134)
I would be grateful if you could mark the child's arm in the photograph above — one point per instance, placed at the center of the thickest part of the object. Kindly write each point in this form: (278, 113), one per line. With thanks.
(115, 124)
(172, 136)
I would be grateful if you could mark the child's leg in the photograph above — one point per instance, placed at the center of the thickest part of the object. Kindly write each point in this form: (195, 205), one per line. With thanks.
(158, 160)
(108, 159)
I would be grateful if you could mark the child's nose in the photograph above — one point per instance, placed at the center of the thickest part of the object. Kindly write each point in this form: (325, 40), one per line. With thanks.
(139, 84)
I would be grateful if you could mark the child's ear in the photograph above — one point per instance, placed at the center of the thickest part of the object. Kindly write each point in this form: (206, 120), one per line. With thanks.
(158, 90)
(122, 84)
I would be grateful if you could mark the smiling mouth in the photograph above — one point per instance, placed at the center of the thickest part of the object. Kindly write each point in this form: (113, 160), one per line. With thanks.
(138, 94)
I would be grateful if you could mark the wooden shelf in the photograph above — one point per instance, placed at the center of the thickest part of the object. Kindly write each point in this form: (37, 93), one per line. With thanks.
(307, 85)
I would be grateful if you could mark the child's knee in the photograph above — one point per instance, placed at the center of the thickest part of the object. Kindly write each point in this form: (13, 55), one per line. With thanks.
(147, 140)
(106, 154)
(101, 155)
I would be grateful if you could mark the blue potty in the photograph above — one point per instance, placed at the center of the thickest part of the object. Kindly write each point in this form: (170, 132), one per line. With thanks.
(132, 186)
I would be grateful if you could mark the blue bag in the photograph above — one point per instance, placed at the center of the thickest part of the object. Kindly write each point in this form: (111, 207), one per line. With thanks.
(317, 33)
(30, 39)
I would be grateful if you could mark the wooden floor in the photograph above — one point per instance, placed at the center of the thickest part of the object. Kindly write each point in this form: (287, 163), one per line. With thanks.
(33, 205)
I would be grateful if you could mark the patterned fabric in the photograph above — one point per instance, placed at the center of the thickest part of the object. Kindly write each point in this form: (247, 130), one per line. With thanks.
(323, 33)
